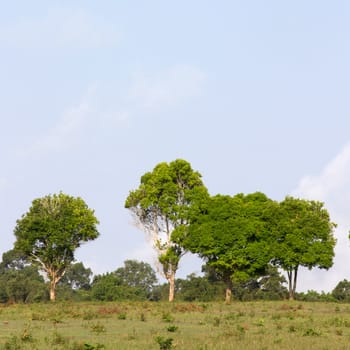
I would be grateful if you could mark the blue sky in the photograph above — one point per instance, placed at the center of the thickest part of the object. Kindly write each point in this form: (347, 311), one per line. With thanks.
(254, 94)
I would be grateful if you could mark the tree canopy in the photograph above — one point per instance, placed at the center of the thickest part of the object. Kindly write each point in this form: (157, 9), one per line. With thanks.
(232, 234)
(162, 206)
(50, 232)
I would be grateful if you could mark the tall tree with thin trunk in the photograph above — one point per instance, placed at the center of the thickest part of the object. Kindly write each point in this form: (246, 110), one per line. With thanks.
(49, 233)
(161, 207)
(304, 237)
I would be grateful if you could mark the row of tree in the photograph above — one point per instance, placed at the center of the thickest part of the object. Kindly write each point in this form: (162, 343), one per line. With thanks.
(21, 282)
(239, 237)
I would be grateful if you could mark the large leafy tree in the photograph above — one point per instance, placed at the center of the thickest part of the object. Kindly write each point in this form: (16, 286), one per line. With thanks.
(232, 235)
(304, 237)
(50, 232)
(161, 207)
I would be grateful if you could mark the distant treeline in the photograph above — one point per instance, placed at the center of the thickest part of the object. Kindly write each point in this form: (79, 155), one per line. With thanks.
(21, 282)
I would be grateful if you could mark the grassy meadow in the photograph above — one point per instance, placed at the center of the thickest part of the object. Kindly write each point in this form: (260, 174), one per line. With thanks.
(210, 326)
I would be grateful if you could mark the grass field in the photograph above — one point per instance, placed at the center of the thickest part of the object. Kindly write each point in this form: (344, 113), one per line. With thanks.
(210, 326)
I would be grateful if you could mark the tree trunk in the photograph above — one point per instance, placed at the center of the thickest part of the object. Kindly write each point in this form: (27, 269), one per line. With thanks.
(228, 295)
(290, 291)
(53, 290)
(292, 282)
(228, 291)
(54, 277)
(295, 281)
(171, 279)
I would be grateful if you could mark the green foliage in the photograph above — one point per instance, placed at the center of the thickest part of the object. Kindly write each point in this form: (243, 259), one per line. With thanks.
(75, 284)
(105, 287)
(20, 281)
(138, 275)
(198, 288)
(233, 235)
(13, 260)
(135, 281)
(271, 285)
(51, 230)
(312, 295)
(167, 317)
(303, 237)
(24, 285)
(342, 291)
(172, 328)
(76, 277)
(122, 316)
(162, 206)
(164, 343)
(98, 328)
(88, 346)
(267, 287)
(310, 332)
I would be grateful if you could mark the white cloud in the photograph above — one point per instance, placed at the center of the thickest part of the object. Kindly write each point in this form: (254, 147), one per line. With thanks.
(60, 29)
(168, 87)
(331, 186)
(334, 176)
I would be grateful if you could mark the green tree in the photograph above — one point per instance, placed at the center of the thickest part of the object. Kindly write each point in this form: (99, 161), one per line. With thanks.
(342, 291)
(232, 235)
(50, 232)
(13, 259)
(77, 276)
(271, 285)
(162, 206)
(75, 283)
(19, 281)
(304, 237)
(137, 274)
(110, 287)
(199, 288)
(267, 287)
(105, 287)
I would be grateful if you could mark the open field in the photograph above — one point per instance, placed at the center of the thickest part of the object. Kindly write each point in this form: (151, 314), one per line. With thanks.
(210, 326)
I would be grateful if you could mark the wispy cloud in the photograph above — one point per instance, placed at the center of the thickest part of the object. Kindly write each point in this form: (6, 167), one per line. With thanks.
(65, 133)
(106, 107)
(331, 186)
(60, 29)
(168, 87)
